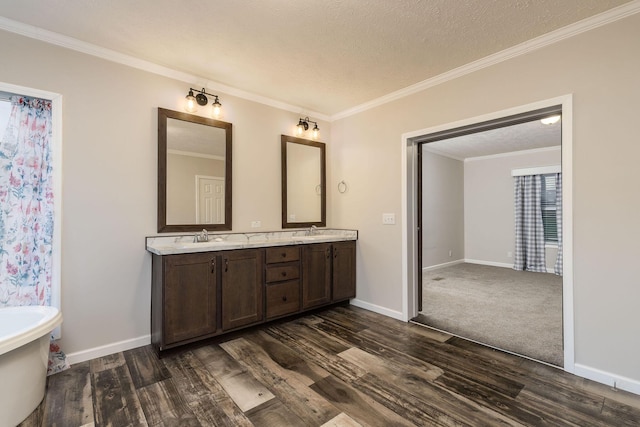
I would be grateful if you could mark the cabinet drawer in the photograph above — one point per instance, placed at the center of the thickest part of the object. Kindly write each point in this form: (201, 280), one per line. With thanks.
(283, 298)
(280, 273)
(282, 254)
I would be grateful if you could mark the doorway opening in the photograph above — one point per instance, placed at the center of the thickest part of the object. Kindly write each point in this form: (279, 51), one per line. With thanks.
(466, 265)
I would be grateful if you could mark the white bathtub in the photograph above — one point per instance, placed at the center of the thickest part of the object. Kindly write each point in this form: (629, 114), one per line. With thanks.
(24, 354)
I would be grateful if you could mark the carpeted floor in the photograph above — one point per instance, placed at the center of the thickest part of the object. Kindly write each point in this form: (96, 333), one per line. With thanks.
(517, 311)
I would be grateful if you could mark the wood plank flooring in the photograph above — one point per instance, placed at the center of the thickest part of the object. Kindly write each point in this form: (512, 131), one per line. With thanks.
(343, 366)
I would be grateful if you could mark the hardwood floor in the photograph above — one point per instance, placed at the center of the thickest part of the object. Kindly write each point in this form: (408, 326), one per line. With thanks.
(340, 367)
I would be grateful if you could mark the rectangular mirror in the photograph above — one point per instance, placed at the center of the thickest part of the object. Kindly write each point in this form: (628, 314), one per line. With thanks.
(194, 172)
(303, 183)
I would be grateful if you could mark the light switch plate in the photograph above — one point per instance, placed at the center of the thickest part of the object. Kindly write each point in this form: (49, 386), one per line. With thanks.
(388, 218)
(256, 224)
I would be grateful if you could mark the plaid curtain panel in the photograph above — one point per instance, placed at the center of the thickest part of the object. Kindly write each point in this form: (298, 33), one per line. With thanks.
(529, 250)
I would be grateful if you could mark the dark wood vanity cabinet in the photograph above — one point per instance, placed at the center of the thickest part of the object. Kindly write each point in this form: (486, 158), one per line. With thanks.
(200, 295)
(328, 273)
(343, 285)
(316, 275)
(241, 294)
(282, 281)
(184, 298)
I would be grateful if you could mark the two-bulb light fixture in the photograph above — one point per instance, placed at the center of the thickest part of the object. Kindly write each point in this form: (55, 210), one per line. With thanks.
(202, 100)
(303, 126)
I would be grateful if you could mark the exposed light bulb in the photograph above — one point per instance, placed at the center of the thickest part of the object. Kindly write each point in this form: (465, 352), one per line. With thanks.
(191, 103)
(216, 108)
(550, 120)
(316, 132)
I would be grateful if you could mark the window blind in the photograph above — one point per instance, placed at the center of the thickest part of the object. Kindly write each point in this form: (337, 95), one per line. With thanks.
(548, 205)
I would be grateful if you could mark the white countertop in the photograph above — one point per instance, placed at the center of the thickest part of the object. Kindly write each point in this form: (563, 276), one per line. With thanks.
(183, 244)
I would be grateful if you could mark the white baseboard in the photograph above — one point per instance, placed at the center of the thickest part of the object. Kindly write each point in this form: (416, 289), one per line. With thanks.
(491, 263)
(377, 309)
(105, 350)
(446, 264)
(623, 383)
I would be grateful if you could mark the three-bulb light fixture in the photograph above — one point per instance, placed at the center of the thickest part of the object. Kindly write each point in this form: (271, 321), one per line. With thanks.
(303, 125)
(202, 100)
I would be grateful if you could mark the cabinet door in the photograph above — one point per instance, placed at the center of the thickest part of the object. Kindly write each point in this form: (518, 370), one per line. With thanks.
(241, 287)
(189, 297)
(316, 274)
(344, 270)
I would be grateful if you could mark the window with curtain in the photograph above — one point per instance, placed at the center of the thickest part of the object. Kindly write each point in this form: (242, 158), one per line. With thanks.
(538, 218)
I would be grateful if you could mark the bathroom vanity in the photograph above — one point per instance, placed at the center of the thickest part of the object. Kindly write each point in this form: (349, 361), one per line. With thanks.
(205, 289)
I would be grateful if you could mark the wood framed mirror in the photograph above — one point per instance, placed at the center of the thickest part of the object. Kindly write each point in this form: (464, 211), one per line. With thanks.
(194, 172)
(304, 201)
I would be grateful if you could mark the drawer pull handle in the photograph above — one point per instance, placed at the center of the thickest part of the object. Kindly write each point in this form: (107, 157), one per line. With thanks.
(284, 254)
(284, 298)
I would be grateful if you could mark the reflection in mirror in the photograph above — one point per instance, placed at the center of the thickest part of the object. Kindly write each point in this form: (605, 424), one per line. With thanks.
(303, 183)
(194, 172)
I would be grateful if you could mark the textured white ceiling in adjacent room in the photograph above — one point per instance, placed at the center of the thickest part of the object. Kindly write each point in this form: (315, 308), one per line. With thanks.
(323, 56)
(531, 135)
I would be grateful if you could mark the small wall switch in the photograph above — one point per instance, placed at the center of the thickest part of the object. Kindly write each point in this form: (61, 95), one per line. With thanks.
(292, 217)
(450, 253)
(388, 218)
(256, 224)
(509, 254)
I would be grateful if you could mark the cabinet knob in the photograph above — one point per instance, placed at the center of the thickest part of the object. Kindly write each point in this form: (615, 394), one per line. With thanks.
(284, 254)
(284, 274)
(284, 298)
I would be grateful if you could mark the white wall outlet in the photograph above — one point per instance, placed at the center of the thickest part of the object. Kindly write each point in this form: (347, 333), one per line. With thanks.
(256, 224)
(509, 254)
(388, 218)
(292, 217)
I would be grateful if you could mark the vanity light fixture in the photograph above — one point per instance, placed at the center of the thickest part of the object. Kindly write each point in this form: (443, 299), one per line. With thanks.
(201, 99)
(303, 125)
(550, 120)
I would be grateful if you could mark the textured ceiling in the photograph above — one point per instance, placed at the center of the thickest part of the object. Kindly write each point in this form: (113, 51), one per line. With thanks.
(520, 137)
(325, 56)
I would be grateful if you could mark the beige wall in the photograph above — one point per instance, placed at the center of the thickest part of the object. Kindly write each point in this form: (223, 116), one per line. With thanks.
(109, 179)
(443, 209)
(488, 201)
(600, 68)
(181, 184)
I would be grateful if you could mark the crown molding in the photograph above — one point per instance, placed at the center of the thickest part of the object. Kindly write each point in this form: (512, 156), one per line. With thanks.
(555, 36)
(579, 27)
(131, 61)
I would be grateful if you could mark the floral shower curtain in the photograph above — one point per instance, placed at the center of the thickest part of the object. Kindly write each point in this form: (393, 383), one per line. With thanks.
(529, 251)
(26, 208)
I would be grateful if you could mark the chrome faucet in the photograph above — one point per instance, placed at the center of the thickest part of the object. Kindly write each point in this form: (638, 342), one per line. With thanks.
(312, 230)
(201, 237)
